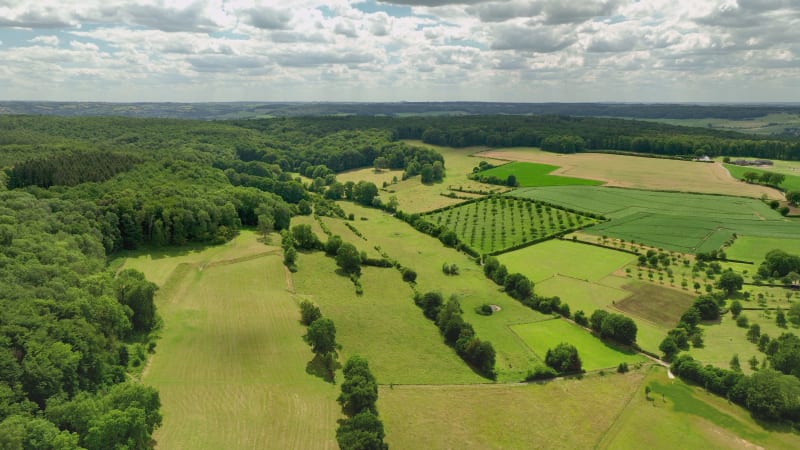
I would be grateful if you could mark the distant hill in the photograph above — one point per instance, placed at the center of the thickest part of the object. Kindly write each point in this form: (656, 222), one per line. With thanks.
(244, 110)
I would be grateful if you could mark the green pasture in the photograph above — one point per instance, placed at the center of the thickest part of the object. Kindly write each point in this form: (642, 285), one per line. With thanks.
(754, 248)
(560, 414)
(724, 339)
(231, 353)
(790, 183)
(594, 353)
(562, 257)
(383, 325)
(426, 255)
(580, 294)
(678, 415)
(673, 221)
(497, 223)
(533, 174)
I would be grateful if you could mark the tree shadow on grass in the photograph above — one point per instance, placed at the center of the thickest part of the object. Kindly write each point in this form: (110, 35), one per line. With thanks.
(319, 367)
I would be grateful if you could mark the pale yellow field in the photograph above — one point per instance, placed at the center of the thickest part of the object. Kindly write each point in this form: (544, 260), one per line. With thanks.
(231, 364)
(640, 173)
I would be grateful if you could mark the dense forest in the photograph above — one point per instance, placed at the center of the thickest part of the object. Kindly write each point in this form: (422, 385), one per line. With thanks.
(77, 190)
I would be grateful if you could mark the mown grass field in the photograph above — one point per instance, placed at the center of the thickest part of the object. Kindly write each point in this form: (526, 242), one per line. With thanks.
(561, 257)
(497, 223)
(231, 353)
(673, 221)
(561, 414)
(790, 183)
(638, 172)
(383, 325)
(426, 255)
(754, 248)
(533, 174)
(683, 416)
(594, 353)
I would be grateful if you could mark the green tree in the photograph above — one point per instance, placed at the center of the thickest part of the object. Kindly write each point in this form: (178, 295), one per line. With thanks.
(364, 431)
(707, 306)
(359, 389)
(794, 313)
(735, 364)
(669, 348)
(793, 197)
(321, 336)
(563, 358)
(364, 192)
(304, 237)
(348, 258)
(736, 308)
(309, 312)
(332, 245)
(134, 291)
(754, 333)
(380, 163)
(730, 282)
(780, 318)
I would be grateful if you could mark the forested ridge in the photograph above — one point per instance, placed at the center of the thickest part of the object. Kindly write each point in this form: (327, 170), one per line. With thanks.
(78, 190)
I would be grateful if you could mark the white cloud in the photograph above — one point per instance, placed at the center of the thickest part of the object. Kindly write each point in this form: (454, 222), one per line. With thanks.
(519, 50)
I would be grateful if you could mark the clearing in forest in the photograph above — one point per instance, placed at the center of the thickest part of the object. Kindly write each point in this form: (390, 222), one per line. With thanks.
(494, 224)
(687, 223)
(231, 354)
(532, 174)
(639, 172)
(594, 353)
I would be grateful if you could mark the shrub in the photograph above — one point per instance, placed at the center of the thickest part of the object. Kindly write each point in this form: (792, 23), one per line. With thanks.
(409, 275)
(484, 310)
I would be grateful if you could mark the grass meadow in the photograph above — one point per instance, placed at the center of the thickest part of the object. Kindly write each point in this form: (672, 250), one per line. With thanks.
(657, 304)
(533, 174)
(496, 223)
(231, 353)
(560, 414)
(638, 172)
(426, 255)
(560, 257)
(678, 415)
(594, 353)
(383, 325)
(791, 183)
(673, 221)
(754, 248)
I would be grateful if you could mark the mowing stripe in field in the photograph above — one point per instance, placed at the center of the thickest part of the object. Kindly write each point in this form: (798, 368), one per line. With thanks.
(594, 353)
(533, 174)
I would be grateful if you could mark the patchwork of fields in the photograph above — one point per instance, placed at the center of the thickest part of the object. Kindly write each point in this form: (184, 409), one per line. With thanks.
(681, 222)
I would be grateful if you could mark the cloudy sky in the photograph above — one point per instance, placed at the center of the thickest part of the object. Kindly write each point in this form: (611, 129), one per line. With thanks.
(400, 50)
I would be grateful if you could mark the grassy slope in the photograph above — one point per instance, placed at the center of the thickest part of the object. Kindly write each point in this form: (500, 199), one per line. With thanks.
(532, 174)
(639, 172)
(791, 183)
(594, 353)
(682, 416)
(229, 358)
(564, 414)
(426, 255)
(674, 221)
(383, 325)
(751, 248)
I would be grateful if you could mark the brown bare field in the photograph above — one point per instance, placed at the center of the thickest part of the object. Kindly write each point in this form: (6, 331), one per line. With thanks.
(655, 303)
(639, 172)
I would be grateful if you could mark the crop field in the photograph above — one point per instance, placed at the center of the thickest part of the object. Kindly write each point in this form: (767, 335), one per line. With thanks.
(674, 221)
(639, 172)
(594, 353)
(657, 304)
(775, 123)
(426, 255)
(753, 248)
(506, 416)
(497, 223)
(533, 174)
(682, 416)
(384, 325)
(230, 357)
(791, 183)
(562, 257)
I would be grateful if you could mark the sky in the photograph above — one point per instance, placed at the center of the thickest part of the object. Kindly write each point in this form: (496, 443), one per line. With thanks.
(400, 50)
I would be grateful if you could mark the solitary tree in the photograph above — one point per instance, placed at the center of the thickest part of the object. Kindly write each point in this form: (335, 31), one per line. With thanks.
(730, 282)
(564, 358)
(348, 258)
